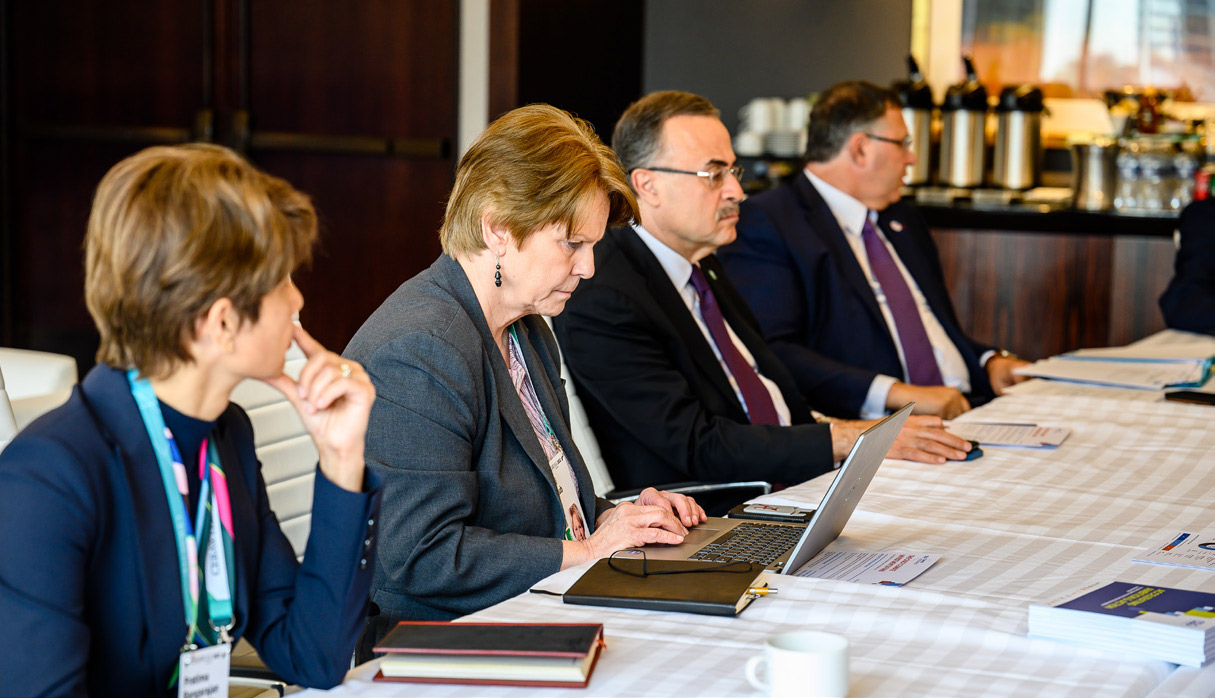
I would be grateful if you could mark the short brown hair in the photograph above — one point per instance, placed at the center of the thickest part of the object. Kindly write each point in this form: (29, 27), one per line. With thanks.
(532, 167)
(841, 111)
(638, 135)
(174, 229)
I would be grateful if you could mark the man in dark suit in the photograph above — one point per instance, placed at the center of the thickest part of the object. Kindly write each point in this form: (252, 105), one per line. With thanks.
(676, 379)
(1189, 301)
(845, 279)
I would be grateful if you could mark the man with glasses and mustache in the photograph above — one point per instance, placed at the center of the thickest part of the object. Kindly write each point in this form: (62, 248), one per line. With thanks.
(676, 378)
(845, 279)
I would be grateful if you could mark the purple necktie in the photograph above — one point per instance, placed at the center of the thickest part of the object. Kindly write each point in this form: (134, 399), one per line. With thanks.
(922, 366)
(755, 395)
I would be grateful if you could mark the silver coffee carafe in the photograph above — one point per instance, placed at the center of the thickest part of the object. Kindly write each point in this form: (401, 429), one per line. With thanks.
(963, 120)
(916, 96)
(1095, 174)
(1018, 152)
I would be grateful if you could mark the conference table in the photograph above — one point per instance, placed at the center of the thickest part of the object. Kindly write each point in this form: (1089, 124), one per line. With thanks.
(1013, 528)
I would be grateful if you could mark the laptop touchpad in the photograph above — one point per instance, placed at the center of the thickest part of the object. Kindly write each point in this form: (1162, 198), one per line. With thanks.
(696, 537)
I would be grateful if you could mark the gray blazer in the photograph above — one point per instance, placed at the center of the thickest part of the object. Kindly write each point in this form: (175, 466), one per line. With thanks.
(470, 512)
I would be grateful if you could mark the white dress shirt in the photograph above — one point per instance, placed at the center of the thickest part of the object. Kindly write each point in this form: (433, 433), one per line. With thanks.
(851, 214)
(679, 271)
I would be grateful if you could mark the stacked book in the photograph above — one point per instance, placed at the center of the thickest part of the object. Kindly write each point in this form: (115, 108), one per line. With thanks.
(1173, 625)
(511, 654)
(1135, 366)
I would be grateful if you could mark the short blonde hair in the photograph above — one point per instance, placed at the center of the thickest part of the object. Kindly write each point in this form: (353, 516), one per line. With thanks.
(534, 166)
(174, 229)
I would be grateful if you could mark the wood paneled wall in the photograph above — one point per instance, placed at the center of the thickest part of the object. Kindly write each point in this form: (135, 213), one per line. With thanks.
(353, 103)
(1040, 294)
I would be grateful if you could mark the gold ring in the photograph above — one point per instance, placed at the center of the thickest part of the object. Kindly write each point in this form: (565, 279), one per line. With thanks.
(345, 367)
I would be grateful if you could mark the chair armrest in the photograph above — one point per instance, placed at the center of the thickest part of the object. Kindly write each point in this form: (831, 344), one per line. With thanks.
(694, 488)
(247, 670)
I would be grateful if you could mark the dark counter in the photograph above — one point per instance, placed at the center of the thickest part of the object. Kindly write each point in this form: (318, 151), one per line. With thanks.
(1041, 219)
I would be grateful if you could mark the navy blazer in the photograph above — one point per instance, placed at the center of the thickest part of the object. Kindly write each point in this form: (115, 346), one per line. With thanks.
(471, 511)
(90, 591)
(793, 265)
(656, 395)
(1189, 301)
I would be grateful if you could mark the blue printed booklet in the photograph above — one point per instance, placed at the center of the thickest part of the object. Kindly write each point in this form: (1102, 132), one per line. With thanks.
(1153, 622)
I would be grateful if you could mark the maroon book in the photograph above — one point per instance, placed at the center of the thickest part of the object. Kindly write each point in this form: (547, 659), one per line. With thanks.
(511, 654)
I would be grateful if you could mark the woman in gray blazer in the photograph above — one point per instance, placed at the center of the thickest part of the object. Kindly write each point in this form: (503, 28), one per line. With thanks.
(484, 490)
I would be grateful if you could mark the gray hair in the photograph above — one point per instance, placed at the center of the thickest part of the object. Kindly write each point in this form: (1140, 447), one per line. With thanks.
(843, 110)
(638, 135)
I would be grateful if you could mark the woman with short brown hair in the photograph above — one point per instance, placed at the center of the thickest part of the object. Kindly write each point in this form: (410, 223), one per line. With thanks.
(137, 540)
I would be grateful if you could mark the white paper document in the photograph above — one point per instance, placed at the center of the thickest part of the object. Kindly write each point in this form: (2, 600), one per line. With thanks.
(889, 569)
(1193, 550)
(1011, 434)
(1132, 353)
(1126, 374)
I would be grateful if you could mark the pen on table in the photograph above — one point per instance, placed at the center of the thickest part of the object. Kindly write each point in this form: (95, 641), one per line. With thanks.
(762, 591)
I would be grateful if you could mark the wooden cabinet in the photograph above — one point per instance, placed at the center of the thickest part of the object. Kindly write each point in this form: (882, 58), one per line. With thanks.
(353, 103)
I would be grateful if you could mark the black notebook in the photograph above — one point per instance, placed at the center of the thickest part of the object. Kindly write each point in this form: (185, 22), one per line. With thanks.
(723, 592)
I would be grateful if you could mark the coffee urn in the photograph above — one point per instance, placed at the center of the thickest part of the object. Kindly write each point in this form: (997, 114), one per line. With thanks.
(1018, 153)
(916, 96)
(963, 120)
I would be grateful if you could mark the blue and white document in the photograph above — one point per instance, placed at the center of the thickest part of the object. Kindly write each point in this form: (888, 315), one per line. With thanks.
(1185, 549)
(888, 569)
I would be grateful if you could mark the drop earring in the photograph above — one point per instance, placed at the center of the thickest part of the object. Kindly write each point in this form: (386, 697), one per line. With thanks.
(498, 273)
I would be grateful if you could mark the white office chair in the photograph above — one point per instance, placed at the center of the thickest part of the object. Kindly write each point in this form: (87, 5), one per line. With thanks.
(588, 446)
(38, 382)
(285, 450)
(288, 458)
(8, 423)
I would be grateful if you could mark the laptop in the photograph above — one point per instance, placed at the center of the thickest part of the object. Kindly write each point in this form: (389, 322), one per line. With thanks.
(784, 547)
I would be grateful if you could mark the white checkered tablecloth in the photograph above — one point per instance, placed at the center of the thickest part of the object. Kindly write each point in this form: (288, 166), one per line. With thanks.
(1013, 527)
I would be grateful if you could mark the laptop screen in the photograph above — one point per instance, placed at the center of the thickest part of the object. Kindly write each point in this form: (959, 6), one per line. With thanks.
(851, 481)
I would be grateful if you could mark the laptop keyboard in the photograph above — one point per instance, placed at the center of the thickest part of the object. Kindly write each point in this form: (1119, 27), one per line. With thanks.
(758, 543)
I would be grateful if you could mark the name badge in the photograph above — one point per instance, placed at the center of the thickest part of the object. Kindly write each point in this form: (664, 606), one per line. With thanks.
(203, 673)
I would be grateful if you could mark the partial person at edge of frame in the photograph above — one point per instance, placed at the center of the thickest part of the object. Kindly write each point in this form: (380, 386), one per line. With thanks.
(1189, 301)
(188, 257)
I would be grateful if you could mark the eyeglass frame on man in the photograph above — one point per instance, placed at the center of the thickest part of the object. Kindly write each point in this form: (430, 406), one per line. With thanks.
(904, 143)
(714, 179)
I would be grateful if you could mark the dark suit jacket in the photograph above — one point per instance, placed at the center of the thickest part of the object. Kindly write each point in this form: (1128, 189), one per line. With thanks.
(89, 585)
(793, 265)
(471, 512)
(1189, 301)
(655, 394)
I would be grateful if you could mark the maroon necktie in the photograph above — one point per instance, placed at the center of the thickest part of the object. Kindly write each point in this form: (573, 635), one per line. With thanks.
(922, 366)
(757, 398)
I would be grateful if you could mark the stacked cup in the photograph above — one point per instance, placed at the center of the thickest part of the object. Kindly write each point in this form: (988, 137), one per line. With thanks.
(772, 125)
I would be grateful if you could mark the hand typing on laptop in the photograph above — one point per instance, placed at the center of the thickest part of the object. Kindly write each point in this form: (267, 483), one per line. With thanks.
(657, 517)
(682, 506)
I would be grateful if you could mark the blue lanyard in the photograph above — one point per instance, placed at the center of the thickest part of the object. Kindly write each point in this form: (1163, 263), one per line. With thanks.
(184, 531)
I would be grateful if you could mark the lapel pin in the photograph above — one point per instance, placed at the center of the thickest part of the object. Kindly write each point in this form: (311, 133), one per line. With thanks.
(896, 226)
(712, 275)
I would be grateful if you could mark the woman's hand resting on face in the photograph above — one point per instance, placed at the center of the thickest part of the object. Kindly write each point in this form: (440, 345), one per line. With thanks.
(333, 397)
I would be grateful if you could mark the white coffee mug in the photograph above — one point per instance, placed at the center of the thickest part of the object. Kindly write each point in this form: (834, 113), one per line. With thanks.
(803, 663)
